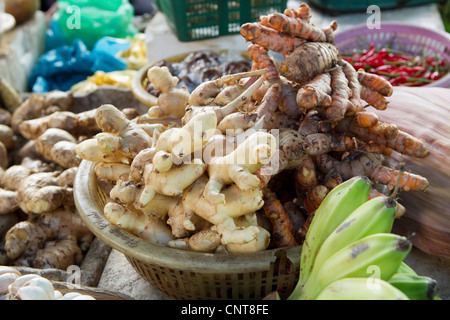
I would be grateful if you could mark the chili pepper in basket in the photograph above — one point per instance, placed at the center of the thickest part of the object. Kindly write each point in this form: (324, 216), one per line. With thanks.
(398, 67)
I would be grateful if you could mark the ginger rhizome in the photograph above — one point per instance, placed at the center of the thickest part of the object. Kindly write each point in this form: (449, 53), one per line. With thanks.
(43, 228)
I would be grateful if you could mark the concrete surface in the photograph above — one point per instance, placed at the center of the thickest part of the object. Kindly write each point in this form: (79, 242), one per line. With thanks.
(120, 276)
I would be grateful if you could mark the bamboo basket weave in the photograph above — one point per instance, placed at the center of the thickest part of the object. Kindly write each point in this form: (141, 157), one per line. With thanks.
(185, 274)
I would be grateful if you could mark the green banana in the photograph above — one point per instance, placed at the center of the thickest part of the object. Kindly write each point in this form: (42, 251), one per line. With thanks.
(382, 250)
(404, 268)
(361, 289)
(373, 216)
(414, 286)
(337, 205)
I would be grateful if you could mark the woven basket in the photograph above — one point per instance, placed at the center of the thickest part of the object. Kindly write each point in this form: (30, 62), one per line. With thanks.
(185, 274)
(96, 293)
(398, 36)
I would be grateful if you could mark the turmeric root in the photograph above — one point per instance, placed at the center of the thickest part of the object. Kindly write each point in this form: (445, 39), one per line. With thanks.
(262, 60)
(375, 147)
(353, 83)
(374, 98)
(314, 198)
(294, 27)
(305, 175)
(172, 101)
(269, 38)
(282, 233)
(287, 92)
(303, 12)
(316, 92)
(329, 31)
(370, 165)
(308, 61)
(387, 135)
(341, 92)
(375, 83)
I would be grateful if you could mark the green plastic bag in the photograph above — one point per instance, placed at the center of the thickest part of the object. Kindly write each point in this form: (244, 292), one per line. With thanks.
(90, 20)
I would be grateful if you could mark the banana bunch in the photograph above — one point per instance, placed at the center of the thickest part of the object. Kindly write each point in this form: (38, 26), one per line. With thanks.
(349, 252)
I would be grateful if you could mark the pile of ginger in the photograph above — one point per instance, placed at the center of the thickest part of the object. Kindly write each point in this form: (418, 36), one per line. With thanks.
(39, 224)
(231, 174)
(241, 163)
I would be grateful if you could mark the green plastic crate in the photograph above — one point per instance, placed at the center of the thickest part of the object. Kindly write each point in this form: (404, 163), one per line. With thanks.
(337, 6)
(204, 19)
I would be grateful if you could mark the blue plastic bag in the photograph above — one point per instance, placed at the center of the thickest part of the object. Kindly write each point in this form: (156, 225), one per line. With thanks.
(61, 68)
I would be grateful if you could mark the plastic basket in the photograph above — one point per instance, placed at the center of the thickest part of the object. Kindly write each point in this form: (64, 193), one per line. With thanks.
(203, 19)
(398, 36)
(185, 274)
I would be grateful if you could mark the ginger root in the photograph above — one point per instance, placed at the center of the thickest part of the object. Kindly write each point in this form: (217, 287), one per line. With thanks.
(126, 137)
(239, 166)
(40, 192)
(148, 228)
(64, 226)
(58, 146)
(172, 101)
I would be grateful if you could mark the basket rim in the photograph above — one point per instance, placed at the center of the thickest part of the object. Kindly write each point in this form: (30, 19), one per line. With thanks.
(150, 100)
(438, 35)
(90, 211)
(391, 25)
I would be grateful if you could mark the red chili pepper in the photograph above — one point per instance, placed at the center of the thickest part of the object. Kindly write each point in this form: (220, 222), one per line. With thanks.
(435, 75)
(385, 68)
(348, 59)
(429, 60)
(427, 75)
(359, 65)
(398, 57)
(376, 60)
(399, 79)
(368, 53)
